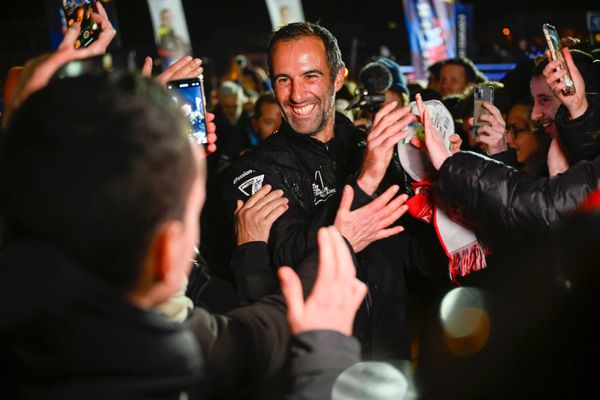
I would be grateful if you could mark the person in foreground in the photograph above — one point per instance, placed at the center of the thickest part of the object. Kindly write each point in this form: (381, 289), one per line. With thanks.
(101, 202)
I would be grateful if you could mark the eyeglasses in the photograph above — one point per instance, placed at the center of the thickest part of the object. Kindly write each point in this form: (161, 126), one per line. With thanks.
(516, 130)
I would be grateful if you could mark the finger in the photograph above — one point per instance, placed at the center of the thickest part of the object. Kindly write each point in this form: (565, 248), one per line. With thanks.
(101, 10)
(147, 67)
(239, 206)
(382, 200)
(347, 198)
(192, 69)
(266, 204)
(276, 213)
(384, 111)
(166, 75)
(71, 35)
(291, 288)
(386, 233)
(262, 192)
(420, 104)
(345, 270)
(357, 295)
(391, 129)
(496, 114)
(573, 70)
(99, 46)
(395, 212)
(325, 271)
(390, 119)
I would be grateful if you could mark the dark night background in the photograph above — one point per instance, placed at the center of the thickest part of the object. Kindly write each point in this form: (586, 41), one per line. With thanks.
(220, 29)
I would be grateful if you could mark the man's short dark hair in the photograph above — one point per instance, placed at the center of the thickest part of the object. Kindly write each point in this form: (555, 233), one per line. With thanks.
(472, 73)
(297, 30)
(94, 165)
(265, 98)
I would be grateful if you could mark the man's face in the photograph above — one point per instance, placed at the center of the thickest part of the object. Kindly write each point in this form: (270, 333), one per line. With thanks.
(453, 79)
(232, 108)
(545, 104)
(303, 86)
(269, 120)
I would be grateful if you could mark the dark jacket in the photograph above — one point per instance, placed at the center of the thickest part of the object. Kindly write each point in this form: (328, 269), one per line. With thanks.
(312, 175)
(65, 334)
(512, 198)
(579, 135)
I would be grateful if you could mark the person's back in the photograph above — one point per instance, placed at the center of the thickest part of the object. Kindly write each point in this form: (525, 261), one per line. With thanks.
(100, 197)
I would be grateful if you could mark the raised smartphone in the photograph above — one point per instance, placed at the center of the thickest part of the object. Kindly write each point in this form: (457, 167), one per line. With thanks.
(81, 11)
(188, 94)
(553, 43)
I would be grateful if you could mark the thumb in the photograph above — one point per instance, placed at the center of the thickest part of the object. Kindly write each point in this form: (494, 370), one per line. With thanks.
(71, 35)
(292, 293)
(147, 68)
(347, 197)
(239, 206)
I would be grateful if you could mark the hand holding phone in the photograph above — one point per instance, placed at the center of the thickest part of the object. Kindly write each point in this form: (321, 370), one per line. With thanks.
(188, 94)
(81, 11)
(553, 43)
(481, 94)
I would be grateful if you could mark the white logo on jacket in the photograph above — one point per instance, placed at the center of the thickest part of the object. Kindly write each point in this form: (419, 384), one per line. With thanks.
(252, 185)
(321, 192)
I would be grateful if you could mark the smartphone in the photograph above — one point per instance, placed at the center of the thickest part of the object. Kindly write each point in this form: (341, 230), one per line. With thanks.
(188, 94)
(81, 11)
(553, 43)
(481, 94)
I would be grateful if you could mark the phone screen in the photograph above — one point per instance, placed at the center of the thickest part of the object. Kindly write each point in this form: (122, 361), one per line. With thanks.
(81, 11)
(188, 94)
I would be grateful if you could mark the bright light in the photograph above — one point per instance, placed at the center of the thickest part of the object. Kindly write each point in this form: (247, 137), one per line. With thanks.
(506, 32)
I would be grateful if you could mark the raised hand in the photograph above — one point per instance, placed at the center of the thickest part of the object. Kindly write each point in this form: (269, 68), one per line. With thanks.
(336, 295)
(254, 218)
(371, 222)
(492, 134)
(577, 102)
(387, 131)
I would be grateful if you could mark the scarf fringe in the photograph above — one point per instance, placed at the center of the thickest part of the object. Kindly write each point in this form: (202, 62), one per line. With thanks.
(467, 259)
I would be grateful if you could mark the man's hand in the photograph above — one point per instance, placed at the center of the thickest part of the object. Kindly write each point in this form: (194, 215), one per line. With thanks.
(184, 68)
(253, 219)
(438, 153)
(336, 295)
(576, 103)
(492, 135)
(386, 132)
(370, 223)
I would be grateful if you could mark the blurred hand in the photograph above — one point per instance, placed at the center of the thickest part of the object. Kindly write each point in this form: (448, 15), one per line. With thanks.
(370, 222)
(253, 219)
(491, 136)
(386, 132)
(336, 295)
(438, 153)
(455, 143)
(211, 133)
(577, 102)
(557, 158)
(184, 68)
(37, 72)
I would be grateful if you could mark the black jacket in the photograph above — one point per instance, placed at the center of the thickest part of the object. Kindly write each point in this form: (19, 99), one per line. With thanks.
(65, 334)
(312, 175)
(512, 198)
(579, 134)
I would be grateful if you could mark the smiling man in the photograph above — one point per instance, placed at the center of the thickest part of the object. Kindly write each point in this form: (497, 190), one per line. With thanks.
(315, 152)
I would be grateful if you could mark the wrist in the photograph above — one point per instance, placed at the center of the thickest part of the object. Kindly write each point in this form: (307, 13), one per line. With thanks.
(576, 111)
(367, 184)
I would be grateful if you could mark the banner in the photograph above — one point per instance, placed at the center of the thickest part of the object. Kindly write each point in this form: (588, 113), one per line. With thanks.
(170, 30)
(431, 30)
(282, 12)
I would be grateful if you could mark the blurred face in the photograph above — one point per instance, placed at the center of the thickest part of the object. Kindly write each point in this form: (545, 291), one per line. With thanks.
(453, 79)
(303, 86)
(269, 120)
(165, 18)
(231, 107)
(545, 104)
(520, 133)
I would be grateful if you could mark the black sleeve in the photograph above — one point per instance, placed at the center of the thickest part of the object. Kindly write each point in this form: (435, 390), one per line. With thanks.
(507, 157)
(252, 271)
(244, 348)
(319, 357)
(579, 134)
(514, 198)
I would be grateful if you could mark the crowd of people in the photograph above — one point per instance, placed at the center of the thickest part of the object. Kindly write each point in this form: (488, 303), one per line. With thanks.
(324, 269)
